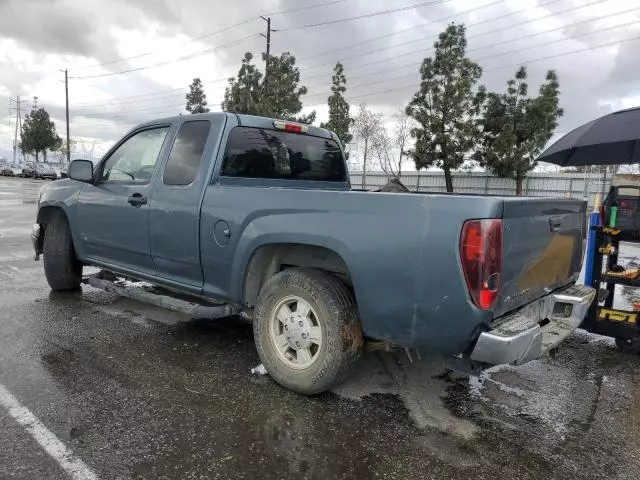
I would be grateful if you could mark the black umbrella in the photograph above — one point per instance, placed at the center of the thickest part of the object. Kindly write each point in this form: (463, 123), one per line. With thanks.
(608, 140)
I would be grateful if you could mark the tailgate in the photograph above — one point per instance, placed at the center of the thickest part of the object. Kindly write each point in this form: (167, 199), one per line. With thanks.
(542, 248)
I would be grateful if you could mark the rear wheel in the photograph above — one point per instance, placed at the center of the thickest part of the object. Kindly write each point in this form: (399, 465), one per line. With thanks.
(306, 330)
(61, 267)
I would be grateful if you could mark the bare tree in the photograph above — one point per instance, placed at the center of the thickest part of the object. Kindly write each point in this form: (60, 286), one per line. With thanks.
(402, 134)
(366, 126)
(391, 149)
(383, 148)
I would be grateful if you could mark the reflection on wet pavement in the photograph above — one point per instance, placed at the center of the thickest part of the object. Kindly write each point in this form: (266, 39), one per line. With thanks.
(15, 191)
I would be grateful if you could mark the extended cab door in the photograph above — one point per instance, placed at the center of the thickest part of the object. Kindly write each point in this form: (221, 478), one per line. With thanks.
(257, 160)
(174, 215)
(113, 211)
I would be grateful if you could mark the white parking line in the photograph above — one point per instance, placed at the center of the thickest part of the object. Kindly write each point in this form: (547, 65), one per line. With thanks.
(75, 467)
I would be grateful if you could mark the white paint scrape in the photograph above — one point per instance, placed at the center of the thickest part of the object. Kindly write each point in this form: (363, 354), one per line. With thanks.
(75, 467)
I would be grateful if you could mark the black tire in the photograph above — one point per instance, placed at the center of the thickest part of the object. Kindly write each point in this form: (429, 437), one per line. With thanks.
(61, 267)
(337, 315)
(628, 345)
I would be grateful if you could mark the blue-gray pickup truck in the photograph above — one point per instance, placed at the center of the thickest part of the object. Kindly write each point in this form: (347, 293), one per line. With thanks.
(260, 214)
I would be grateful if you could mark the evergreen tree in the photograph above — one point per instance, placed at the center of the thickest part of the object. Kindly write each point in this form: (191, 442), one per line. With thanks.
(339, 120)
(196, 98)
(516, 128)
(445, 106)
(243, 95)
(275, 95)
(38, 133)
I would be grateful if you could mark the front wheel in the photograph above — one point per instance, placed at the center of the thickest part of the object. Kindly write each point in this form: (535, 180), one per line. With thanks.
(306, 330)
(61, 267)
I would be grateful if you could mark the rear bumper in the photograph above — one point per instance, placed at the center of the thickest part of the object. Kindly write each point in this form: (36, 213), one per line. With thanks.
(530, 332)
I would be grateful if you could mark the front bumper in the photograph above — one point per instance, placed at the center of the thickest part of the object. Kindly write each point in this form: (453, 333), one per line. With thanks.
(36, 240)
(528, 333)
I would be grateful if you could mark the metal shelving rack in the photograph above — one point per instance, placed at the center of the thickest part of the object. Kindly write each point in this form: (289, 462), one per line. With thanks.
(602, 317)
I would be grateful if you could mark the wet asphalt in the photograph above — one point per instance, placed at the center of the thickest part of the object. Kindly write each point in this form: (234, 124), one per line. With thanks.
(137, 392)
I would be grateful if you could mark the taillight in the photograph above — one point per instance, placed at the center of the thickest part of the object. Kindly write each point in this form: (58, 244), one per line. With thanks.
(290, 127)
(481, 256)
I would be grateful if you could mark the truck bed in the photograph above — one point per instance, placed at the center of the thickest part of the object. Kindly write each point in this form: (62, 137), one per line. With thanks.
(402, 251)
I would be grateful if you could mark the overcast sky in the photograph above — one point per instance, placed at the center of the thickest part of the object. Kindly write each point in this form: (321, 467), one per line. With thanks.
(129, 62)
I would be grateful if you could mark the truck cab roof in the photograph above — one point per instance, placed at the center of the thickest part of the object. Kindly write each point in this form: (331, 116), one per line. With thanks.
(243, 120)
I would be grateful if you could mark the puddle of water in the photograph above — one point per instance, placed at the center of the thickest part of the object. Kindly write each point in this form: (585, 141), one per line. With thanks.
(420, 385)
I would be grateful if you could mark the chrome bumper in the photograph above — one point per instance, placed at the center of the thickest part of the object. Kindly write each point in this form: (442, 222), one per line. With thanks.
(528, 333)
(36, 240)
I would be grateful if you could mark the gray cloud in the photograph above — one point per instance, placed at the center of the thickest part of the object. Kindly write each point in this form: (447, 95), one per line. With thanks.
(86, 29)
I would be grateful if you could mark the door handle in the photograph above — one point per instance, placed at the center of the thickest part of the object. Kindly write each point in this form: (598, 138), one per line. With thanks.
(137, 199)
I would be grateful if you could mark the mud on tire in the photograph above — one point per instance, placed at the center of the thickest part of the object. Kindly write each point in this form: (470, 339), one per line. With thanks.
(61, 267)
(335, 312)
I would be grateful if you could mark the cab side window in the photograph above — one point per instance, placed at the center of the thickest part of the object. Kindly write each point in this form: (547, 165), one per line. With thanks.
(186, 154)
(135, 160)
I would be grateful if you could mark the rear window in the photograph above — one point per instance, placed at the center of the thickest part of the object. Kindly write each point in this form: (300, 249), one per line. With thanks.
(260, 153)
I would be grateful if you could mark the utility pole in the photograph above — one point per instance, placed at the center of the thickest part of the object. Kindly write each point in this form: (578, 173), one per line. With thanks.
(268, 37)
(15, 135)
(17, 106)
(66, 95)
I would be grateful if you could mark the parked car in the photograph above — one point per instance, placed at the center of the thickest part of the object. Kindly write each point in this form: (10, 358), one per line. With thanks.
(44, 171)
(11, 170)
(60, 173)
(258, 213)
(28, 169)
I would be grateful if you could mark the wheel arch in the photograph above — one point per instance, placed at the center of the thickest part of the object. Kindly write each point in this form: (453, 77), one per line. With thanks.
(268, 259)
(47, 212)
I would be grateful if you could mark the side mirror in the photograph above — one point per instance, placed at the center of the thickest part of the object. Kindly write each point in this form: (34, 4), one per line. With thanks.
(81, 170)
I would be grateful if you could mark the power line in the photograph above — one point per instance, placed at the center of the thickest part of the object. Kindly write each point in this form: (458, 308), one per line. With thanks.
(481, 22)
(479, 48)
(535, 34)
(366, 41)
(300, 9)
(115, 104)
(154, 109)
(180, 59)
(573, 37)
(144, 111)
(502, 67)
(216, 32)
(397, 32)
(484, 58)
(191, 40)
(368, 15)
(218, 80)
